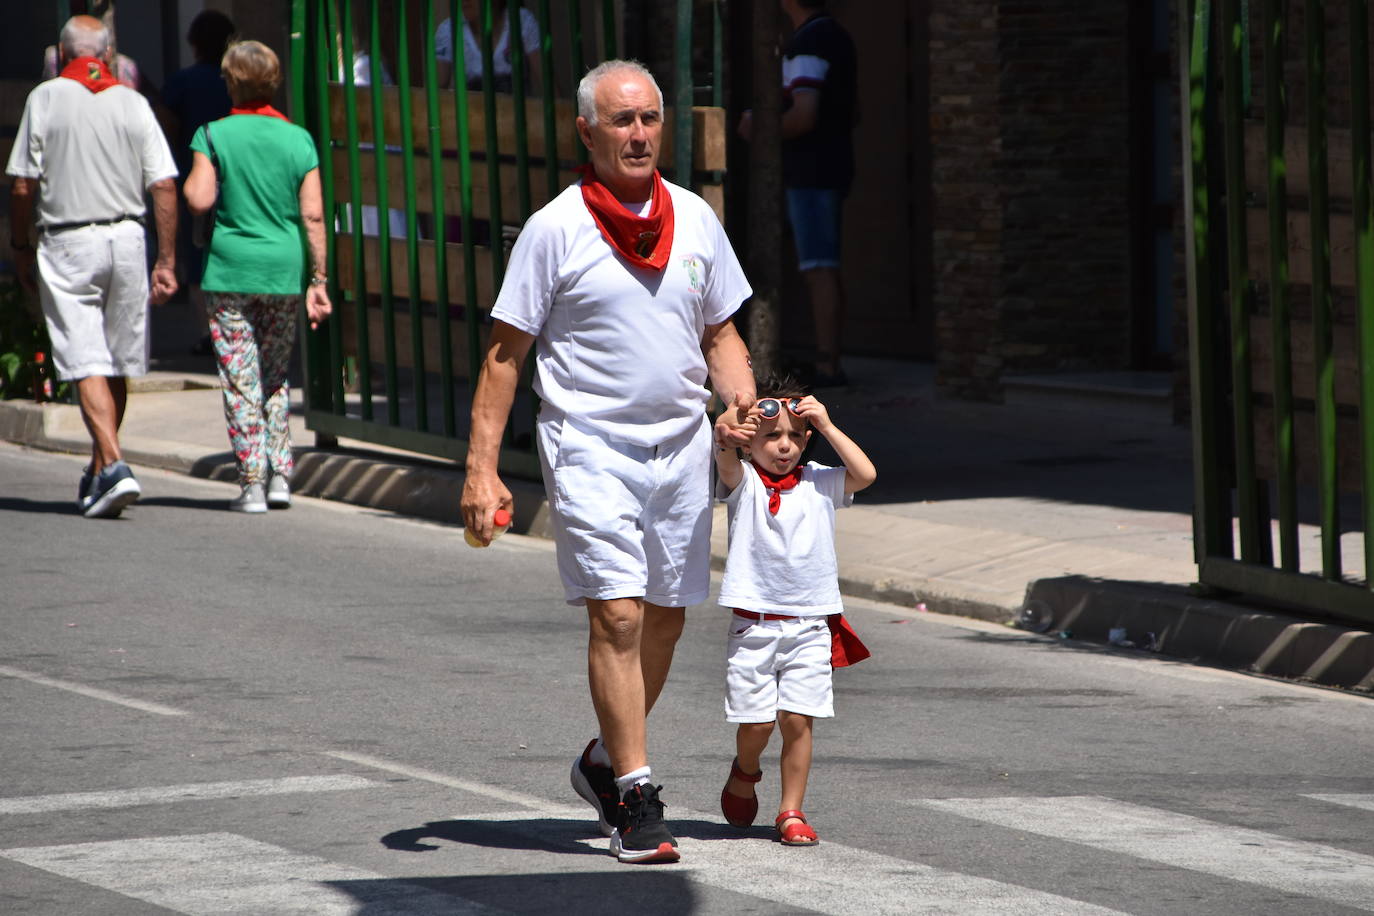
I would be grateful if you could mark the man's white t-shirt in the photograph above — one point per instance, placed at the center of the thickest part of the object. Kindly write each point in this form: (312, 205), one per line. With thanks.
(95, 153)
(785, 563)
(619, 347)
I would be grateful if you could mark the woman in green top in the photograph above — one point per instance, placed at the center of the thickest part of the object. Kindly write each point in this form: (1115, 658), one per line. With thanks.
(269, 219)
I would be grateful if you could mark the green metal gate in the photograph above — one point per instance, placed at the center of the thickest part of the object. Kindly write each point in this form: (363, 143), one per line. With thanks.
(1280, 238)
(425, 188)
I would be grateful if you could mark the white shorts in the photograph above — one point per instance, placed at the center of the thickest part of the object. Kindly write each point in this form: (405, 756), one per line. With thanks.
(629, 521)
(93, 285)
(778, 665)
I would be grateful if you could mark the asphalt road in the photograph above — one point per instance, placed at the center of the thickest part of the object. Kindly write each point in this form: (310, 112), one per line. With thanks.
(331, 710)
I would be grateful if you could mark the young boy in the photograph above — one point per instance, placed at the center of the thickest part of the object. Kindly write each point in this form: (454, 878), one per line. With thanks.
(782, 583)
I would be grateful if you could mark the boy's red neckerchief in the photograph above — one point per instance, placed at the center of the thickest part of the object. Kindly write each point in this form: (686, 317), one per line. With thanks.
(258, 107)
(644, 241)
(777, 484)
(91, 72)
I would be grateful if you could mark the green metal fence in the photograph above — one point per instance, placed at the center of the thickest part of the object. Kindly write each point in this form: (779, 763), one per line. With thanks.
(425, 187)
(1280, 236)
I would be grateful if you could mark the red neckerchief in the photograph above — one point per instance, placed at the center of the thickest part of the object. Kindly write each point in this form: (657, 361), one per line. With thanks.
(846, 648)
(91, 72)
(260, 107)
(644, 241)
(777, 484)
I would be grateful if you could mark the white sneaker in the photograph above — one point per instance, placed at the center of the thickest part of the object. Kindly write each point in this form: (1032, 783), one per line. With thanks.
(278, 493)
(251, 499)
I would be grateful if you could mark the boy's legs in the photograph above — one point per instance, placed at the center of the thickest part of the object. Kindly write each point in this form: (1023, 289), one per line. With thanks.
(796, 760)
(750, 740)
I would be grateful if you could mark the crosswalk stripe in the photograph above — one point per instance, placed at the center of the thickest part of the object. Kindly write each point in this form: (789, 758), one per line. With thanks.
(94, 693)
(834, 878)
(1349, 800)
(161, 795)
(1182, 841)
(226, 875)
(465, 785)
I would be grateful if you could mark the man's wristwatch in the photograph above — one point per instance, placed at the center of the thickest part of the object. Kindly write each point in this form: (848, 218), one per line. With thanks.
(319, 280)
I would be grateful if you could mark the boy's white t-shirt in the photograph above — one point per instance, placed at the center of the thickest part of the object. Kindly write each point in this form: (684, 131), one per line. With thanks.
(618, 346)
(785, 563)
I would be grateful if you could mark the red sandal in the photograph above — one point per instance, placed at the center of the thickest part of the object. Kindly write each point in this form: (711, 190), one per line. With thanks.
(795, 834)
(739, 810)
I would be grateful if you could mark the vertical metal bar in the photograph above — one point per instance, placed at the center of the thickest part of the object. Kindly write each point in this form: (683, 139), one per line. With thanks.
(1364, 260)
(610, 40)
(419, 383)
(355, 182)
(1238, 285)
(384, 280)
(433, 145)
(682, 83)
(550, 119)
(1280, 312)
(471, 312)
(493, 148)
(579, 69)
(717, 56)
(1324, 363)
(325, 372)
(298, 71)
(516, 43)
(1211, 520)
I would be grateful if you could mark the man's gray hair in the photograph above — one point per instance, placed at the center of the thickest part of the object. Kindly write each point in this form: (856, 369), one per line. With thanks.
(586, 90)
(82, 40)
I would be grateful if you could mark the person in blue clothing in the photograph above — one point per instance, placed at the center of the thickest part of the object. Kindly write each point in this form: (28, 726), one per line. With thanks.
(819, 84)
(193, 96)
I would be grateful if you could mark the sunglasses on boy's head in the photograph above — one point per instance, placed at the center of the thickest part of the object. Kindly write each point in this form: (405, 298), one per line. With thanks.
(771, 407)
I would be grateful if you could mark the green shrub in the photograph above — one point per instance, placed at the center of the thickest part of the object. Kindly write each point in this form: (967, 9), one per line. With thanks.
(23, 335)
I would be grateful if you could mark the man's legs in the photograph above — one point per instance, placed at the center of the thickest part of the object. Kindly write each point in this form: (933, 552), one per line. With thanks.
(629, 653)
(827, 309)
(102, 402)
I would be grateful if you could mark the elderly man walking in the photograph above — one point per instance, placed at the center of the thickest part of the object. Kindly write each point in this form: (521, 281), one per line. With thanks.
(627, 284)
(86, 149)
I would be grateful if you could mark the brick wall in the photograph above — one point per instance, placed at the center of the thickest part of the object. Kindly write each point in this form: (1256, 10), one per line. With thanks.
(1030, 173)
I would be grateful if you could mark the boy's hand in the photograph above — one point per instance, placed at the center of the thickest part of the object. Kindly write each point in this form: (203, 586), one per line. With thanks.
(814, 412)
(737, 423)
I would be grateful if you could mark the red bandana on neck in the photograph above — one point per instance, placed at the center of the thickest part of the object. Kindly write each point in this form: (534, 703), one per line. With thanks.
(644, 241)
(91, 72)
(259, 107)
(777, 484)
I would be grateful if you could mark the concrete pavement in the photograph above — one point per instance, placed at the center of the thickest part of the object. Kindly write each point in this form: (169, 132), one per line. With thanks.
(1082, 508)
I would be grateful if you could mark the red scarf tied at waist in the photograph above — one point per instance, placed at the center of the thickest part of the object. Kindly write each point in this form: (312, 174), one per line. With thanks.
(644, 241)
(91, 72)
(258, 107)
(777, 484)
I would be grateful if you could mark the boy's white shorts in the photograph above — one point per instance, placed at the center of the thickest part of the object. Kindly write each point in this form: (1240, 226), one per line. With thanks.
(778, 664)
(93, 286)
(629, 521)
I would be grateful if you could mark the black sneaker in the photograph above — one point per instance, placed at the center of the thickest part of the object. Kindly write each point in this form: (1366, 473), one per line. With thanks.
(642, 836)
(596, 784)
(113, 489)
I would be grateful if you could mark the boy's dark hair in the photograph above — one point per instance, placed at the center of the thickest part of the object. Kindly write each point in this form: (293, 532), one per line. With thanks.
(779, 385)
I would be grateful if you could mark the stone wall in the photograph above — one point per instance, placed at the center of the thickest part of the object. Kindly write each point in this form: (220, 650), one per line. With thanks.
(1030, 174)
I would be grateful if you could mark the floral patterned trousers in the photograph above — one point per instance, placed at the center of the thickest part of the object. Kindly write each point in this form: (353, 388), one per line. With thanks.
(252, 337)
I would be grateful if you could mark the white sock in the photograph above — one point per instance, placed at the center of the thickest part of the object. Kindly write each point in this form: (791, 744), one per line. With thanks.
(598, 754)
(631, 779)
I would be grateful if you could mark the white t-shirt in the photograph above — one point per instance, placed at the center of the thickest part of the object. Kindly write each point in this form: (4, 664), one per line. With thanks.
(500, 45)
(785, 563)
(619, 347)
(95, 153)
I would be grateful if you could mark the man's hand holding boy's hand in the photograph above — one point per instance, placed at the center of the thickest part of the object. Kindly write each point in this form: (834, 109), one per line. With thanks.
(737, 423)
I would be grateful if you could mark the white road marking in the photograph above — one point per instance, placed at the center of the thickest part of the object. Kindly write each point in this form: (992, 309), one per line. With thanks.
(1182, 841)
(94, 693)
(833, 878)
(1349, 800)
(224, 874)
(161, 795)
(465, 785)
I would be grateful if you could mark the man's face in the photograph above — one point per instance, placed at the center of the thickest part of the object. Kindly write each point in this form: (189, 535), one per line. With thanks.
(624, 142)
